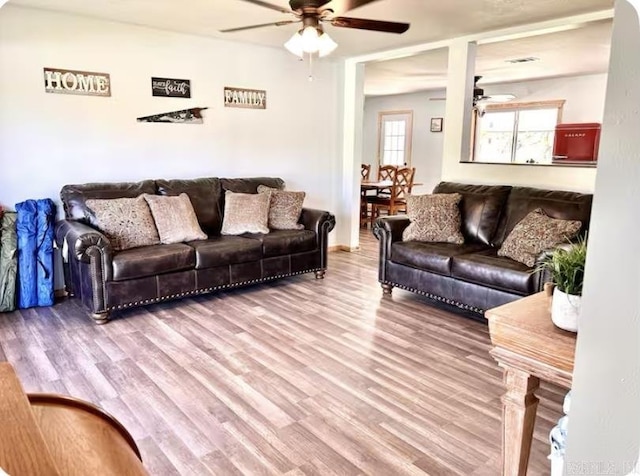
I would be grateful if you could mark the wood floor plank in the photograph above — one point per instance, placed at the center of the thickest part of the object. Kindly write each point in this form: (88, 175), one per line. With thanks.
(296, 377)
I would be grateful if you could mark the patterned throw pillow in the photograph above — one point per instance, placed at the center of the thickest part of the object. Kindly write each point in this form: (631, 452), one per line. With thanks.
(245, 213)
(434, 218)
(284, 209)
(175, 218)
(535, 233)
(127, 222)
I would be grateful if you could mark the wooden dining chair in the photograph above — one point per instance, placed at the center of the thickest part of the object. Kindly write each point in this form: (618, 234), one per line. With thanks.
(365, 171)
(386, 173)
(397, 200)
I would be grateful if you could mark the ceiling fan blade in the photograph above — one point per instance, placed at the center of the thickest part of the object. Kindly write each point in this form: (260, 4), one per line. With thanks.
(251, 27)
(346, 5)
(268, 5)
(374, 25)
(297, 5)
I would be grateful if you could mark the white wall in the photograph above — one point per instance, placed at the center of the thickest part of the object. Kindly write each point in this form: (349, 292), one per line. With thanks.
(584, 97)
(604, 421)
(48, 140)
(426, 154)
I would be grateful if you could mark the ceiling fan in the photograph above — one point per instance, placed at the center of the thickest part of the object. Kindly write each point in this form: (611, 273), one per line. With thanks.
(311, 38)
(479, 96)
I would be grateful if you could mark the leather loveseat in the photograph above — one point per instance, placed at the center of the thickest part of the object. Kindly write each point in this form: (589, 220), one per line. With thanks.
(107, 280)
(471, 277)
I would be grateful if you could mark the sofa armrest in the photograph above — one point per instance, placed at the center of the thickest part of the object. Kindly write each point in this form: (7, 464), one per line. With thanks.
(390, 227)
(83, 241)
(321, 222)
(544, 275)
(388, 230)
(90, 253)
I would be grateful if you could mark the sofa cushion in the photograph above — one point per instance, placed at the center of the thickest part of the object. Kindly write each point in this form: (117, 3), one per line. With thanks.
(245, 213)
(481, 207)
(174, 218)
(556, 204)
(535, 233)
(285, 208)
(488, 269)
(205, 195)
(284, 242)
(74, 196)
(433, 257)
(434, 218)
(225, 250)
(152, 260)
(127, 222)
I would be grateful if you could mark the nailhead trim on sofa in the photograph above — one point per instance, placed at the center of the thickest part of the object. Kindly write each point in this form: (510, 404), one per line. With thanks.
(435, 297)
(208, 290)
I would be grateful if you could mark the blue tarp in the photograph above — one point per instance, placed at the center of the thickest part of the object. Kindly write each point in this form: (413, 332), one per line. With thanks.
(27, 253)
(44, 229)
(35, 252)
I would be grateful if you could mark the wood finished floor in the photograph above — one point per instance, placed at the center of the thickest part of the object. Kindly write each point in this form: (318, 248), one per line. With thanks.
(297, 377)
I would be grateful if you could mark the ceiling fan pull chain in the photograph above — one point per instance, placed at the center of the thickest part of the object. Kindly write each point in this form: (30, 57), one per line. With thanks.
(310, 77)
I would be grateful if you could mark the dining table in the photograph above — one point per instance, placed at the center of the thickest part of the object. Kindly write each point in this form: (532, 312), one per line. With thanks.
(367, 185)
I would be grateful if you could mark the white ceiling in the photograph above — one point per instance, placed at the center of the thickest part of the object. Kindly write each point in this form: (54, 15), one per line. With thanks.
(584, 50)
(431, 20)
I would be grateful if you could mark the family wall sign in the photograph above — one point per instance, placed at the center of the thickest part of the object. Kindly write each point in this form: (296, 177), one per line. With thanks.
(247, 98)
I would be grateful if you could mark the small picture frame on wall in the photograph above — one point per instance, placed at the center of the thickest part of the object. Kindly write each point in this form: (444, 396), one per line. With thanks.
(436, 124)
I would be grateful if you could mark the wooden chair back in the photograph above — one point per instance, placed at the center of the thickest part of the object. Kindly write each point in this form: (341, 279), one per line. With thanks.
(386, 172)
(365, 171)
(402, 184)
(396, 201)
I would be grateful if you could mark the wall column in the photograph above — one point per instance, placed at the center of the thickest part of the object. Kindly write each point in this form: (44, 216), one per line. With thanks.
(604, 432)
(348, 211)
(457, 123)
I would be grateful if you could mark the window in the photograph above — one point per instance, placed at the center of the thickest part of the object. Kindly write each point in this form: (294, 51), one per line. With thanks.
(394, 137)
(520, 133)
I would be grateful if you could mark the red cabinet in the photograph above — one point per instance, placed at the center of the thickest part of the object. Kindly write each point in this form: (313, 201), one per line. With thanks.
(576, 143)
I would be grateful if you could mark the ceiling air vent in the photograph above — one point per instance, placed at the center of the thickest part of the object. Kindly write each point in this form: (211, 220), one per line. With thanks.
(528, 59)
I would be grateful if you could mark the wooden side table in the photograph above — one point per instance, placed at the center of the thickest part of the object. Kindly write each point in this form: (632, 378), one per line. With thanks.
(53, 435)
(528, 347)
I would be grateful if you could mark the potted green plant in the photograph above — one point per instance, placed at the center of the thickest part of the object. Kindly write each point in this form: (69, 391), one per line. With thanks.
(566, 268)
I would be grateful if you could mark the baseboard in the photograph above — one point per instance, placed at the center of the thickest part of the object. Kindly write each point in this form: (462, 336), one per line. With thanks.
(343, 248)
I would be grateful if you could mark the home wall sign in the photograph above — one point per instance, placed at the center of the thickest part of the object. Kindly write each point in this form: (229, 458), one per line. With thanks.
(247, 98)
(184, 116)
(173, 88)
(85, 83)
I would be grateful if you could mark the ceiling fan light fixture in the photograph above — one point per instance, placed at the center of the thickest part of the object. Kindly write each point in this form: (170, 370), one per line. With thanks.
(310, 40)
(294, 45)
(310, 37)
(326, 45)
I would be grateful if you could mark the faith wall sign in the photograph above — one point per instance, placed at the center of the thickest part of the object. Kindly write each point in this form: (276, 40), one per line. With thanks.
(168, 87)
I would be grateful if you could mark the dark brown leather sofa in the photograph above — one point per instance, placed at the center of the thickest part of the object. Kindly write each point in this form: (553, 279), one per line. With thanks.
(471, 277)
(107, 280)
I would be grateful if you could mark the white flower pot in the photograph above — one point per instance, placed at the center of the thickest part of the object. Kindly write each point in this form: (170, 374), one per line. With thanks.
(565, 310)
